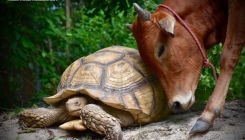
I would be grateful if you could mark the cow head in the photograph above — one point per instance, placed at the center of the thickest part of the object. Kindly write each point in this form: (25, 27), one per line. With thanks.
(170, 51)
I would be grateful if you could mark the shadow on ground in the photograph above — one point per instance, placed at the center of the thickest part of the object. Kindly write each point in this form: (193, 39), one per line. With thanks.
(231, 125)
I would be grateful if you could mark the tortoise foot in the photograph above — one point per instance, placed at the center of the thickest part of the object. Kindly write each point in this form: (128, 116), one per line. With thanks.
(201, 125)
(101, 122)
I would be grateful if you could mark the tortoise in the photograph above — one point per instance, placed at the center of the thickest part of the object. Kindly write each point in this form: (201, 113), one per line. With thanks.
(104, 91)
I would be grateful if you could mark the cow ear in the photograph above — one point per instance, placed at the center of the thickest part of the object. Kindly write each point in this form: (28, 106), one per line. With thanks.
(167, 24)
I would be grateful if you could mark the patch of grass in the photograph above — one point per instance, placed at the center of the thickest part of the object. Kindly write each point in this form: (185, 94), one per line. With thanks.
(88, 137)
(28, 130)
(18, 137)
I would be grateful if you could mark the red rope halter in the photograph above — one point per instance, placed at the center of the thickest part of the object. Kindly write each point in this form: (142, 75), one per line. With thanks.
(206, 62)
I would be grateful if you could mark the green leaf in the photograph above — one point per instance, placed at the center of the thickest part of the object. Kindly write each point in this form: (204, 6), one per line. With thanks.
(10, 115)
(27, 43)
(49, 32)
(44, 54)
(31, 66)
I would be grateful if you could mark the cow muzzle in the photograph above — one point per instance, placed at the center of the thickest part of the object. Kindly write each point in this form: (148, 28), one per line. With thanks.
(182, 102)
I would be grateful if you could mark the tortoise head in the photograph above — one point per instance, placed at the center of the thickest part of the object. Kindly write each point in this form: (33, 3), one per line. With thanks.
(75, 104)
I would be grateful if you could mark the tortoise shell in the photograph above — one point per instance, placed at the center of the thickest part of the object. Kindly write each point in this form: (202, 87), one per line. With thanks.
(117, 77)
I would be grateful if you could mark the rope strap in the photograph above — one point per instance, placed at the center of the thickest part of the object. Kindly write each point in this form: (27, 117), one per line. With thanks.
(206, 62)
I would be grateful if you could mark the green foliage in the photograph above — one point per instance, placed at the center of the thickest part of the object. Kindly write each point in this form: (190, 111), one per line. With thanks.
(206, 84)
(37, 47)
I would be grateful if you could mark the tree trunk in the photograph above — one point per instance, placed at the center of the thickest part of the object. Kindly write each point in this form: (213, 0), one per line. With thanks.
(68, 24)
(68, 13)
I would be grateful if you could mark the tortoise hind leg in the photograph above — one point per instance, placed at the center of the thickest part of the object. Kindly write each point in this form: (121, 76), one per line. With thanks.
(101, 122)
(43, 117)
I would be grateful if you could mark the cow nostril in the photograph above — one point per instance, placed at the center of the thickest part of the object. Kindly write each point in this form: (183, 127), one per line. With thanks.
(176, 107)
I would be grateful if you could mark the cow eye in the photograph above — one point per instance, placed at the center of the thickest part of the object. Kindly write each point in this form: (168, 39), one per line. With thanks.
(161, 51)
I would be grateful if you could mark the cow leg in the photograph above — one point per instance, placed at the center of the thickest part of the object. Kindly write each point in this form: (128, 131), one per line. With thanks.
(235, 40)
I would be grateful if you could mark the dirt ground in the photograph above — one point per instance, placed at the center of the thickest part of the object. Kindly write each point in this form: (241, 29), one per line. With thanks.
(230, 126)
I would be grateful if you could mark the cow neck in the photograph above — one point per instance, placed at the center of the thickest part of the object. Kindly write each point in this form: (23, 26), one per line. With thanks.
(206, 62)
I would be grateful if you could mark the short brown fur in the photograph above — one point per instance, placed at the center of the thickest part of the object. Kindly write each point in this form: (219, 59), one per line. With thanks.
(179, 67)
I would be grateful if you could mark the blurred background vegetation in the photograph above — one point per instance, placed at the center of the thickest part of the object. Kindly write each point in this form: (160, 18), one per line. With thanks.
(38, 40)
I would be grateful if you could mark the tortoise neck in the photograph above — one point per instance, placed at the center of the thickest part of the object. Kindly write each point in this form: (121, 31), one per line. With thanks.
(61, 115)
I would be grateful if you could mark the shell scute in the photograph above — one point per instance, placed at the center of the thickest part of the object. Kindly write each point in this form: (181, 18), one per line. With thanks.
(87, 75)
(121, 77)
(67, 74)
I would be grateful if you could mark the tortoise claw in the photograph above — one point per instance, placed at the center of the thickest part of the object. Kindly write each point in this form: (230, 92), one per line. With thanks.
(201, 125)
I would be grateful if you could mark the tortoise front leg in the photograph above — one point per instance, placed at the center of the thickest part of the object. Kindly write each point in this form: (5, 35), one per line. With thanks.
(43, 117)
(96, 119)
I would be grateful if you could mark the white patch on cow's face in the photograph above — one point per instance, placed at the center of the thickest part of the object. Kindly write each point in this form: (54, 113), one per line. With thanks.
(186, 100)
(192, 100)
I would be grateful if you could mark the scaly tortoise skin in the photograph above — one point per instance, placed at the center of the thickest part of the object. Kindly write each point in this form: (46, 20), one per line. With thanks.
(109, 89)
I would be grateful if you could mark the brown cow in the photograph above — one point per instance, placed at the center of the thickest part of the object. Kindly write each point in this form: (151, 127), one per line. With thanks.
(171, 52)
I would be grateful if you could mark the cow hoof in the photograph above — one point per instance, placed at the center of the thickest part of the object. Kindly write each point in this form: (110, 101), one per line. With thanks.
(201, 125)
